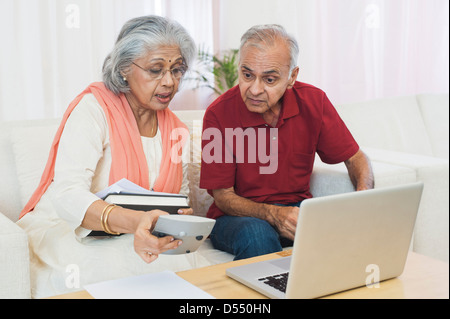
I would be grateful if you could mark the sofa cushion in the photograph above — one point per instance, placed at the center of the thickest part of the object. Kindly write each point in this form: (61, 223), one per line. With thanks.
(9, 186)
(394, 124)
(31, 146)
(200, 199)
(435, 114)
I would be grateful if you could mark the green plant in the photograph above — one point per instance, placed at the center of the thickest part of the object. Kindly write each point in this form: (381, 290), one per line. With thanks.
(223, 67)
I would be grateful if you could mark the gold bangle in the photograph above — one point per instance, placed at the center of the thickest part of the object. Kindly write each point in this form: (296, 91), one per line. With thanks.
(109, 231)
(104, 219)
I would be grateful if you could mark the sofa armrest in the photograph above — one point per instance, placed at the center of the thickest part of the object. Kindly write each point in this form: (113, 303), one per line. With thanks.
(14, 261)
(431, 235)
(334, 179)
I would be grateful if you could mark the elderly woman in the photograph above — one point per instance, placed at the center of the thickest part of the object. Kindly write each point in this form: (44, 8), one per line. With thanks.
(120, 128)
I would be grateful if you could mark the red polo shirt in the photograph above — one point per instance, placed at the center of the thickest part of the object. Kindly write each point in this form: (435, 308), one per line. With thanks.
(237, 146)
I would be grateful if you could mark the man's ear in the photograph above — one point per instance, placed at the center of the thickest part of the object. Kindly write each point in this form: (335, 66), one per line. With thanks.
(294, 75)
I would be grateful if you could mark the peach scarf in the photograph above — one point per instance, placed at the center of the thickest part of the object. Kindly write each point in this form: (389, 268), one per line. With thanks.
(128, 158)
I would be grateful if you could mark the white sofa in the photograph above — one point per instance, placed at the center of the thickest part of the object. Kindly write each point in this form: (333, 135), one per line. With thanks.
(406, 138)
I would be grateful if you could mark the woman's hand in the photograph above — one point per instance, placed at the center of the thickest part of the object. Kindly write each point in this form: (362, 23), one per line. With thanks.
(186, 211)
(147, 246)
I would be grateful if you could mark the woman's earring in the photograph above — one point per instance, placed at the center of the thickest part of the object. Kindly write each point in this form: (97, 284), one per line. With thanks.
(124, 79)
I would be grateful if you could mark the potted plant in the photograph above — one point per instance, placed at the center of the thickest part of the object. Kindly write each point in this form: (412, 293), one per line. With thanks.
(217, 72)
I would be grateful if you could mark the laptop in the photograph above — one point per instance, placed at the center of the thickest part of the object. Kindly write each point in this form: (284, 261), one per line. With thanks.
(342, 242)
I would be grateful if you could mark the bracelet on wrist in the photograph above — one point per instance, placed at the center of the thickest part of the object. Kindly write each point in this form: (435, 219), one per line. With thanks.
(104, 219)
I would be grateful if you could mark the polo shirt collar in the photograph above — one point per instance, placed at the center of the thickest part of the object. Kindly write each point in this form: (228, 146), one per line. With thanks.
(289, 109)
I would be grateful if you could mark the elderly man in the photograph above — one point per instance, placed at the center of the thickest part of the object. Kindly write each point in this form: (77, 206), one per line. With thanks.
(257, 195)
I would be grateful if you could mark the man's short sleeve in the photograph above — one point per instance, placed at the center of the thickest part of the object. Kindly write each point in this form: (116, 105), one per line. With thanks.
(336, 144)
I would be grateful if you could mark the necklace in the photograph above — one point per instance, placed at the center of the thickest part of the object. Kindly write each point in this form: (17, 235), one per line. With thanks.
(154, 126)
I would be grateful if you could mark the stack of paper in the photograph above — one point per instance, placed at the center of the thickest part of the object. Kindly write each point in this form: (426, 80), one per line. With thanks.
(124, 186)
(162, 285)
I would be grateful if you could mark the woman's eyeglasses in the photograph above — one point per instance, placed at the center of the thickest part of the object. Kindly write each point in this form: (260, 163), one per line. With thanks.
(158, 74)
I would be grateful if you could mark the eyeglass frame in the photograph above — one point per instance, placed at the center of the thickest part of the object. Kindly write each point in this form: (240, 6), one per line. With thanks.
(183, 67)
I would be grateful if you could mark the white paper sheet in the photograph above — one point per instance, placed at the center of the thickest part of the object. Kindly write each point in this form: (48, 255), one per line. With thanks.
(126, 187)
(162, 285)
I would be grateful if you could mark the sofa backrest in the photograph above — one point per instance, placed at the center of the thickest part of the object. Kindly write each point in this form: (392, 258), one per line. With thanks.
(24, 147)
(435, 115)
(200, 199)
(406, 124)
(9, 184)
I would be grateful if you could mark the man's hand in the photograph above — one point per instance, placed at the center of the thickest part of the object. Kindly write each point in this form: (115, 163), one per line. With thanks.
(284, 219)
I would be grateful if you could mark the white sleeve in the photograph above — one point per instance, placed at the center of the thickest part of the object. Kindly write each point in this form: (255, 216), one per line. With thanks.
(80, 149)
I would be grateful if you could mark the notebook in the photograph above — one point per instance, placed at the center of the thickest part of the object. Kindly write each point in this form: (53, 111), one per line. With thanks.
(342, 242)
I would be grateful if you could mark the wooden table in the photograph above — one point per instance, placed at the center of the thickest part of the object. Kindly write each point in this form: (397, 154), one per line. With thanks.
(423, 278)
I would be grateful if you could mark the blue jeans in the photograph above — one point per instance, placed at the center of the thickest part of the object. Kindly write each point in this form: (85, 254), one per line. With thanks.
(246, 237)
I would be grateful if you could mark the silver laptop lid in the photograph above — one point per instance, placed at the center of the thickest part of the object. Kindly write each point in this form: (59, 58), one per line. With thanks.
(345, 241)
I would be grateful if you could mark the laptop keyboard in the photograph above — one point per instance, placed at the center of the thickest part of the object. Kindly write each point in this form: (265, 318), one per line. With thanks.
(276, 281)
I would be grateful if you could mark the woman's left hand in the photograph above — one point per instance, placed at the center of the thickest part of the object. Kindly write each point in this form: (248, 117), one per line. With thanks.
(186, 211)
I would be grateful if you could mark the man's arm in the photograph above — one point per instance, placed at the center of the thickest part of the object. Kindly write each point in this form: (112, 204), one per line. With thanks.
(360, 171)
(284, 219)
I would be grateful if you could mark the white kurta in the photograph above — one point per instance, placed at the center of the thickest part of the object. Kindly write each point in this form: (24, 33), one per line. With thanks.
(63, 259)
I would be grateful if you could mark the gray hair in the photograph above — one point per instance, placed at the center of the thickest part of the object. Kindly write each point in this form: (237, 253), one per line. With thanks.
(139, 36)
(268, 34)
